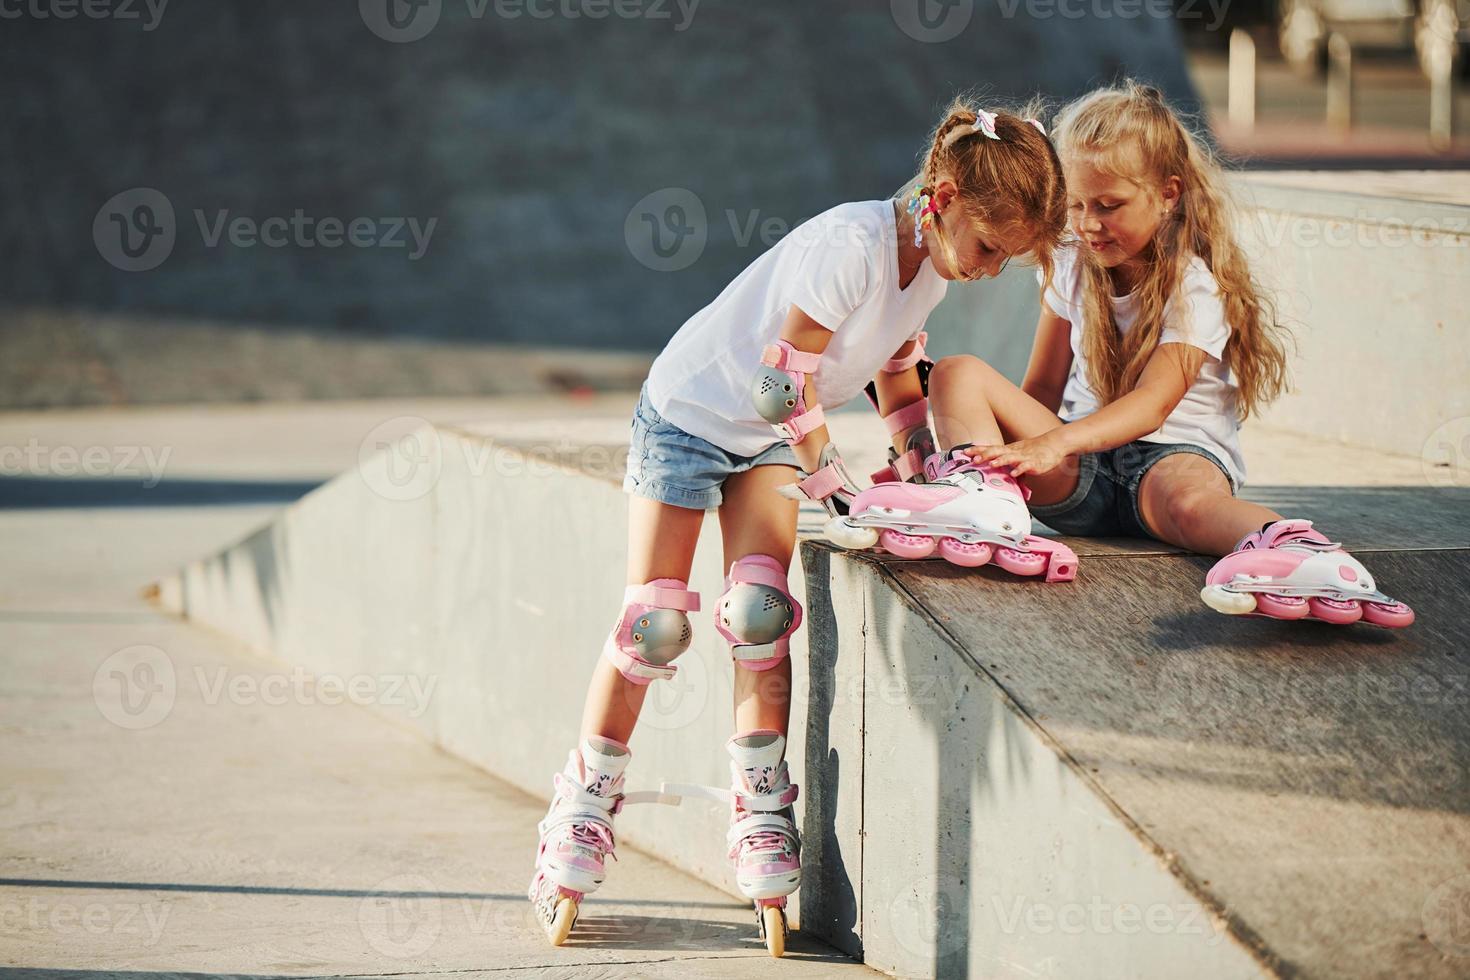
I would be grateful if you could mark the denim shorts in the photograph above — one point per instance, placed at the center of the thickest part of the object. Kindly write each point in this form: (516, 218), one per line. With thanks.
(1105, 503)
(669, 465)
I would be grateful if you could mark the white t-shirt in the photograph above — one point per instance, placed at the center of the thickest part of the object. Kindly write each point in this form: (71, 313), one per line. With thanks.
(841, 269)
(1206, 416)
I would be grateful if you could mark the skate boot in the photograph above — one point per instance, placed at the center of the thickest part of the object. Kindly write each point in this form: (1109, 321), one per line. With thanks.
(577, 834)
(1286, 570)
(971, 512)
(764, 844)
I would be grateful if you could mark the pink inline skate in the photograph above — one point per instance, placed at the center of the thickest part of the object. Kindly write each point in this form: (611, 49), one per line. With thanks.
(576, 837)
(1286, 570)
(577, 833)
(764, 844)
(971, 512)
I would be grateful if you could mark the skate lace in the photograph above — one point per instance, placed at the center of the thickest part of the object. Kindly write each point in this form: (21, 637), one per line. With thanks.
(594, 835)
(763, 841)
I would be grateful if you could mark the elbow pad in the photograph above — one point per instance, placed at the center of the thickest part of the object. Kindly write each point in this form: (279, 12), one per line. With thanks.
(778, 391)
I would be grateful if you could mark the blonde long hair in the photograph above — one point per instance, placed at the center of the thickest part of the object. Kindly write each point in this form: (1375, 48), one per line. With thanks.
(1011, 186)
(1130, 132)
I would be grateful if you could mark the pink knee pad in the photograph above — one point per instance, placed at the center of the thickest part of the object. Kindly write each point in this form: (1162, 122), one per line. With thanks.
(757, 613)
(653, 630)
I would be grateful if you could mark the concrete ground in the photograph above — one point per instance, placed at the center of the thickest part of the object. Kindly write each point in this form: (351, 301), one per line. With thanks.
(170, 803)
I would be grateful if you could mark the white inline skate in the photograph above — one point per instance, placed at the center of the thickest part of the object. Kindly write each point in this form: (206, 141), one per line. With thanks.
(576, 837)
(971, 512)
(764, 844)
(1287, 570)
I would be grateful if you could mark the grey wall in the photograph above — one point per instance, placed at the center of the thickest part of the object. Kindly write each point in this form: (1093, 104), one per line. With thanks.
(535, 143)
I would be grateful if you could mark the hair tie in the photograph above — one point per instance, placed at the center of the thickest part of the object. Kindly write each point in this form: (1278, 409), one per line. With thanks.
(985, 123)
(921, 205)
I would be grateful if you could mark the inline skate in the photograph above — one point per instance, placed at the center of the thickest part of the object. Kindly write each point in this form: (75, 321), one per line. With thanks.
(576, 837)
(764, 844)
(971, 512)
(1287, 570)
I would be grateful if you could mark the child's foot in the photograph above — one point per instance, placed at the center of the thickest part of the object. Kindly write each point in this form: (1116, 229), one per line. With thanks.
(1287, 570)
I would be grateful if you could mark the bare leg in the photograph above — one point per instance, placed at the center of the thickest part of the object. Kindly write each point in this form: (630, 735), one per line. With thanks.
(756, 520)
(973, 402)
(1185, 500)
(661, 540)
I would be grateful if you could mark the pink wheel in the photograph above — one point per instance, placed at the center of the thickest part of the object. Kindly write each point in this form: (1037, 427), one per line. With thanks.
(1021, 562)
(1394, 615)
(970, 554)
(1338, 611)
(906, 545)
(1281, 606)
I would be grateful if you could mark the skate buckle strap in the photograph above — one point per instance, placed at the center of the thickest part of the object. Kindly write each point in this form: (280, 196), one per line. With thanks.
(581, 797)
(897, 364)
(984, 473)
(796, 428)
(784, 356)
(661, 597)
(767, 802)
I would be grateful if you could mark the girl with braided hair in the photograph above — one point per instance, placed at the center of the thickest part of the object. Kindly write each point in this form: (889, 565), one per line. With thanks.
(731, 418)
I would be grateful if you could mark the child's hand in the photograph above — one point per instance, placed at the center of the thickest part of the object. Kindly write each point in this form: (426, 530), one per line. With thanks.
(1028, 456)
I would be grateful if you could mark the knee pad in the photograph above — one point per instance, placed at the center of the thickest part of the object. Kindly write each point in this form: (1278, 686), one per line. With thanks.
(652, 631)
(757, 613)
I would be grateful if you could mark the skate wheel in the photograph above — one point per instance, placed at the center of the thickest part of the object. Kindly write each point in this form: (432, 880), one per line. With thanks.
(1228, 601)
(1340, 612)
(970, 554)
(1393, 615)
(1020, 562)
(1281, 606)
(906, 545)
(844, 535)
(773, 930)
(561, 924)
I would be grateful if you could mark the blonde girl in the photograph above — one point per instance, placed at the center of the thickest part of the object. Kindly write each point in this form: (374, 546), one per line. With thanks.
(1154, 343)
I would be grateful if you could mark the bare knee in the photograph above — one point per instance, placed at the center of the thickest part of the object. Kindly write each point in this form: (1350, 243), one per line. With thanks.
(958, 371)
(1188, 508)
